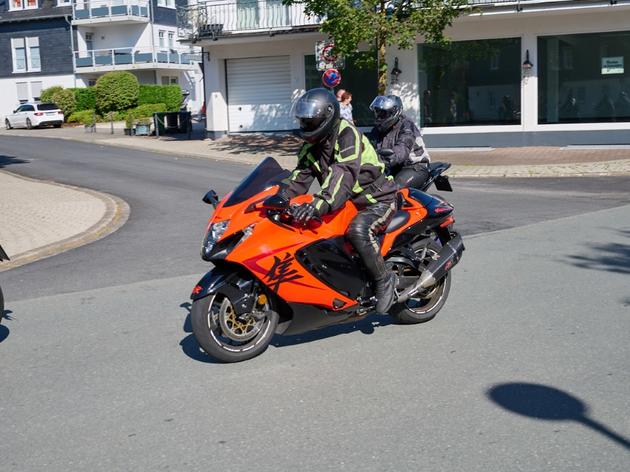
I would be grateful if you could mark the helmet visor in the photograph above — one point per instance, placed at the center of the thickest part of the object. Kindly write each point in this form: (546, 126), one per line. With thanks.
(383, 103)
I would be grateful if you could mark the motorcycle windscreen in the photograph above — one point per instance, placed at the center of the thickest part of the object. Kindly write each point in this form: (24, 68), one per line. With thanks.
(266, 174)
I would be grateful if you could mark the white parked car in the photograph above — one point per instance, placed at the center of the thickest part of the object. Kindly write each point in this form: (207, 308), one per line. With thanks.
(32, 115)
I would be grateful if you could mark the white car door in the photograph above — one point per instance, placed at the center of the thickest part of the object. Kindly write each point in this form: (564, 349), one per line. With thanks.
(16, 116)
(27, 112)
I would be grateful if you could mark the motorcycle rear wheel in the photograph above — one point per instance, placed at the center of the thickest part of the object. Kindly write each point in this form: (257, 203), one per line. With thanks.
(228, 337)
(424, 306)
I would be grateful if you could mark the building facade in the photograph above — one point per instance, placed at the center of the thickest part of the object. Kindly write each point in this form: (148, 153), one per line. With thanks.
(517, 72)
(44, 43)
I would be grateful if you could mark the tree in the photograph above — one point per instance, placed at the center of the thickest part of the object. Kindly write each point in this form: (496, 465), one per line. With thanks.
(380, 24)
(116, 91)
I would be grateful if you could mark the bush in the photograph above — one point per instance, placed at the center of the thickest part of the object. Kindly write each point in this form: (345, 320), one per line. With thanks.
(47, 94)
(85, 98)
(116, 91)
(83, 117)
(146, 111)
(64, 99)
(170, 95)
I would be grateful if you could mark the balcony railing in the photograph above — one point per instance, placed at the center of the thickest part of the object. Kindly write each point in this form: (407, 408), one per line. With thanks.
(110, 9)
(216, 18)
(129, 58)
(224, 17)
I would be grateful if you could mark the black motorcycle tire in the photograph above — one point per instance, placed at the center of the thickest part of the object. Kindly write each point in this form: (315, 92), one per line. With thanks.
(206, 332)
(405, 315)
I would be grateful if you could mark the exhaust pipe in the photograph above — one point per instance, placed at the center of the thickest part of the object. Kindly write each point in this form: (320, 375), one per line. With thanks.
(449, 255)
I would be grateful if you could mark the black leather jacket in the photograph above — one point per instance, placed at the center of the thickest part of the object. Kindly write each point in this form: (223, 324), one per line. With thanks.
(402, 139)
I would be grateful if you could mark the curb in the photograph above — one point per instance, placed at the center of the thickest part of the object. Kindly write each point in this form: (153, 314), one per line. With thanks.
(116, 214)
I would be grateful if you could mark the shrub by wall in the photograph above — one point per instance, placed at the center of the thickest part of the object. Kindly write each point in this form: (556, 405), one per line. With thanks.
(47, 94)
(170, 95)
(116, 91)
(85, 98)
(147, 110)
(84, 117)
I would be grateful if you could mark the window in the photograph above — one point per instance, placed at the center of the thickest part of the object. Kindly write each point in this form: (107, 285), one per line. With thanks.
(25, 52)
(161, 39)
(22, 4)
(91, 82)
(470, 83)
(61, 3)
(170, 80)
(89, 41)
(171, 40)
(584, 78)
(166, 3)
(36, 91)
(22, 92)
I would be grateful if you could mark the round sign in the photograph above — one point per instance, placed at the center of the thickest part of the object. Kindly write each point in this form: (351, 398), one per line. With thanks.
(331, 78)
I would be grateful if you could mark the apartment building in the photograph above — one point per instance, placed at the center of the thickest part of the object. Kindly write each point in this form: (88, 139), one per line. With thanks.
(518, 72)
(71, 43)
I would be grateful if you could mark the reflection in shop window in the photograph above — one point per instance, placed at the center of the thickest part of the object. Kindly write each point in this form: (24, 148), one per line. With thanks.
(584, 78)
(471, 83)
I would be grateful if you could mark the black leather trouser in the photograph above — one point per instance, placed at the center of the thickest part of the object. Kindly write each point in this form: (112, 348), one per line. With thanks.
(362, 233)
(413, 175)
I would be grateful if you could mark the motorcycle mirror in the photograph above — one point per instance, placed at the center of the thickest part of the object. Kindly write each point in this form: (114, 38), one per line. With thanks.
(211, 198)
(385, 152)
(275, 202)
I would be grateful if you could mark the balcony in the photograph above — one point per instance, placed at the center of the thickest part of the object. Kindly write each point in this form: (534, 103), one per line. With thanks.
(110, 11)
(214, 19)
(105, 60)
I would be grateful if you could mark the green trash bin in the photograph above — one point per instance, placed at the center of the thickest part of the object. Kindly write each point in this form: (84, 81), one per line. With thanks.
(159, 123)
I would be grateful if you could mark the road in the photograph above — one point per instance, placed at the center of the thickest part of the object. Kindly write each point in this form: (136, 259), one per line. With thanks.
(526, 367)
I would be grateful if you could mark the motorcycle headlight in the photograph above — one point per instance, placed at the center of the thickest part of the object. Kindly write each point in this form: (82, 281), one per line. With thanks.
(214, 233)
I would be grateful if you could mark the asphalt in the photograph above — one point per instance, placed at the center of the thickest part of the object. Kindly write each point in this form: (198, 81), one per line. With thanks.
(64, 228)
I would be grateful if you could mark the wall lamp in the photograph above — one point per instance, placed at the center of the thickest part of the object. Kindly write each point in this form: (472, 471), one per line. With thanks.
(395, 72)
(527, 64)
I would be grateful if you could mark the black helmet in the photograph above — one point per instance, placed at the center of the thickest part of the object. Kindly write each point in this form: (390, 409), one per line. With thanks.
(387, 109)
(317, 112)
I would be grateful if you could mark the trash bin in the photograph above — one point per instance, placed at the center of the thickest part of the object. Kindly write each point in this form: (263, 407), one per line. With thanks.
(172, 122)
(159, 123)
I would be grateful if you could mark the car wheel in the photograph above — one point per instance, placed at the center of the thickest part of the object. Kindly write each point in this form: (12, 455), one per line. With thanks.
(7, 124)
(29, 125)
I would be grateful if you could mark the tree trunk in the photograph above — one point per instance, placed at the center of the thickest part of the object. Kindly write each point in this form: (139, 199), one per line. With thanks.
(382, 67)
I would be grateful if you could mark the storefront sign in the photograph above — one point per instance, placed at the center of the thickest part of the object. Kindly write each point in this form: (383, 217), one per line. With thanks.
(612, 65)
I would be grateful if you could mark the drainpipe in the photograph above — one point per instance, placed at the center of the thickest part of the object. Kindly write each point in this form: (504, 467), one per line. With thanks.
(152, 41)
(74, 61)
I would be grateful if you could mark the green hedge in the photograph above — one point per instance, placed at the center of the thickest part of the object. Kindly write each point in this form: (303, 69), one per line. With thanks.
(116, 91)
(147, 110)
(170, 95)
(84, 117)
(47, 94)
(85, 98)
(63, 98)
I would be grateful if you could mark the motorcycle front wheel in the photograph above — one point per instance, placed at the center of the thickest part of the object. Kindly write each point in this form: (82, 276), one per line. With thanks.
(423, 306)
(229, 337)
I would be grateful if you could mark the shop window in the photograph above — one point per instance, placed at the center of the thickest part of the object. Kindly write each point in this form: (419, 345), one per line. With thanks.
(362, 82)
(584, 78)
(470, 83)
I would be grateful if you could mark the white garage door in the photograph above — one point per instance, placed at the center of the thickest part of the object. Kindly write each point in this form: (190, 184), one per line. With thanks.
(259, 94)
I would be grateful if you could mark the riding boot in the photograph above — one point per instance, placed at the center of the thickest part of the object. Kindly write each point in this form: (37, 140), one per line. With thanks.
(385, 292)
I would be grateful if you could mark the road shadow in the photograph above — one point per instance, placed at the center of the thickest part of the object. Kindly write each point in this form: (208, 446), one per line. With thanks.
(4, 331)
(547, 403)
(611, 257)
(258, 143)
(367, 326)
(6, 161)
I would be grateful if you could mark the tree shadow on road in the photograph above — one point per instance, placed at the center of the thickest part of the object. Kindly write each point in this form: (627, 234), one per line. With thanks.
(547, 403)
(367, 325)
(611, 257)
(6, 161)
(257, 143)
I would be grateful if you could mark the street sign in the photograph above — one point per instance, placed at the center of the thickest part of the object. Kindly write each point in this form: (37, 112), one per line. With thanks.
(325, 58)
(331, 78)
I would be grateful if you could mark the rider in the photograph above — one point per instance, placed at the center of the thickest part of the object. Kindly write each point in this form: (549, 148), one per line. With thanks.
(395, 132)
(347, 167)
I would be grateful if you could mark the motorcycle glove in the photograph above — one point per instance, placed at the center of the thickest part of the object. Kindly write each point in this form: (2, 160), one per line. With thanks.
(302, 214)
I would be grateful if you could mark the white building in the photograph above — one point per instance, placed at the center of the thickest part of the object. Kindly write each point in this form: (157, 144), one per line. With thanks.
(44, 43)
(526, 72)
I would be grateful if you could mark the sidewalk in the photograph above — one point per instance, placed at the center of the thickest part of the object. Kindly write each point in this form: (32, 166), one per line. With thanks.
(469, 162)
(40, 219)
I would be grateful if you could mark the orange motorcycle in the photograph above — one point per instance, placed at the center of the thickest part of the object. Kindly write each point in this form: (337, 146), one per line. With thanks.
(273, 277)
